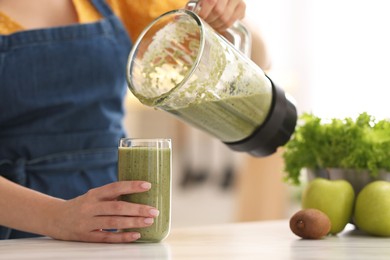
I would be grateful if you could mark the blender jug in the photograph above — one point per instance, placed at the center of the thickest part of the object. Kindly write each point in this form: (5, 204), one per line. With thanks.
(179, 64)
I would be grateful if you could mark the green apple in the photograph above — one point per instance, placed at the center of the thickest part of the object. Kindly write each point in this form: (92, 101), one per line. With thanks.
(333, 197)
(372, 208)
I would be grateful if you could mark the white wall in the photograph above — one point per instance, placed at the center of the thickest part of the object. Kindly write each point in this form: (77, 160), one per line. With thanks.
(332, 55)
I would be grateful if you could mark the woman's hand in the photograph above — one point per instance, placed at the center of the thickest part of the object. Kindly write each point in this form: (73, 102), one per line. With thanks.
(86, 217)
(221, 14)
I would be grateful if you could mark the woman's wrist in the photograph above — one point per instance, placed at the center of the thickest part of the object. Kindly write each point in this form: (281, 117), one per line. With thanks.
(52, 218)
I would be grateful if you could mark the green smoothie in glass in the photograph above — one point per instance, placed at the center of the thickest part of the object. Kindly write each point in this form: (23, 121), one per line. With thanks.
(148, 160)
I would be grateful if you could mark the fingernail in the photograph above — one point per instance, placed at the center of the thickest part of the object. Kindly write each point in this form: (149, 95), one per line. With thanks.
(154, 212)
(136, 235)
(148, 220)
(146, 185)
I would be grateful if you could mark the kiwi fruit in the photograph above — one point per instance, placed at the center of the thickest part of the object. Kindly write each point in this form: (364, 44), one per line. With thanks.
(310, 224)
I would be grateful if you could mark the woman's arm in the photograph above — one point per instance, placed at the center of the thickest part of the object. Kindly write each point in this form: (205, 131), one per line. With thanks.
(79, 219)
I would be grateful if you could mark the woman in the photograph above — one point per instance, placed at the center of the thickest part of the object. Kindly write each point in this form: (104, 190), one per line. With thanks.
(62, 80)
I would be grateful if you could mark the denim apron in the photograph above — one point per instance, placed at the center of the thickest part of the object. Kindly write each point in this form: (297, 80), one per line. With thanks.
(61, 106)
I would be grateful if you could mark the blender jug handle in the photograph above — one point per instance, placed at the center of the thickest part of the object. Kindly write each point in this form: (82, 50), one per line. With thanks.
(238, 34)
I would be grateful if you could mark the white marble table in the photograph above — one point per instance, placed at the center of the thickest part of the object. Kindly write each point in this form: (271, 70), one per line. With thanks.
(241, 241)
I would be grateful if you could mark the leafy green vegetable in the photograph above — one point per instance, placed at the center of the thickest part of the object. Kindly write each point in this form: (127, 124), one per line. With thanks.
(360, 144)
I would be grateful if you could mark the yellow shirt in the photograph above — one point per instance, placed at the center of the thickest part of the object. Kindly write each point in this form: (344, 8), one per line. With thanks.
(135, 14)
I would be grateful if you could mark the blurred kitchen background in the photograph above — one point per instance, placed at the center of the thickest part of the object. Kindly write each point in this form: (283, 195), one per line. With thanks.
(332, 56)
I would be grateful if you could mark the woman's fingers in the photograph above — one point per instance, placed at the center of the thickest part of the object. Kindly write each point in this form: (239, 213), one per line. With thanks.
(212, 9)
(99, 209)
(114, 190)
(233, 12)
(123, 208)
(119, 222)
(221, 14)
(112, 237)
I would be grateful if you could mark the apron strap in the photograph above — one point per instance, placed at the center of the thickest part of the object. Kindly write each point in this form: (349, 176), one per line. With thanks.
(13, 171)
(102, 7)
(80, 160)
